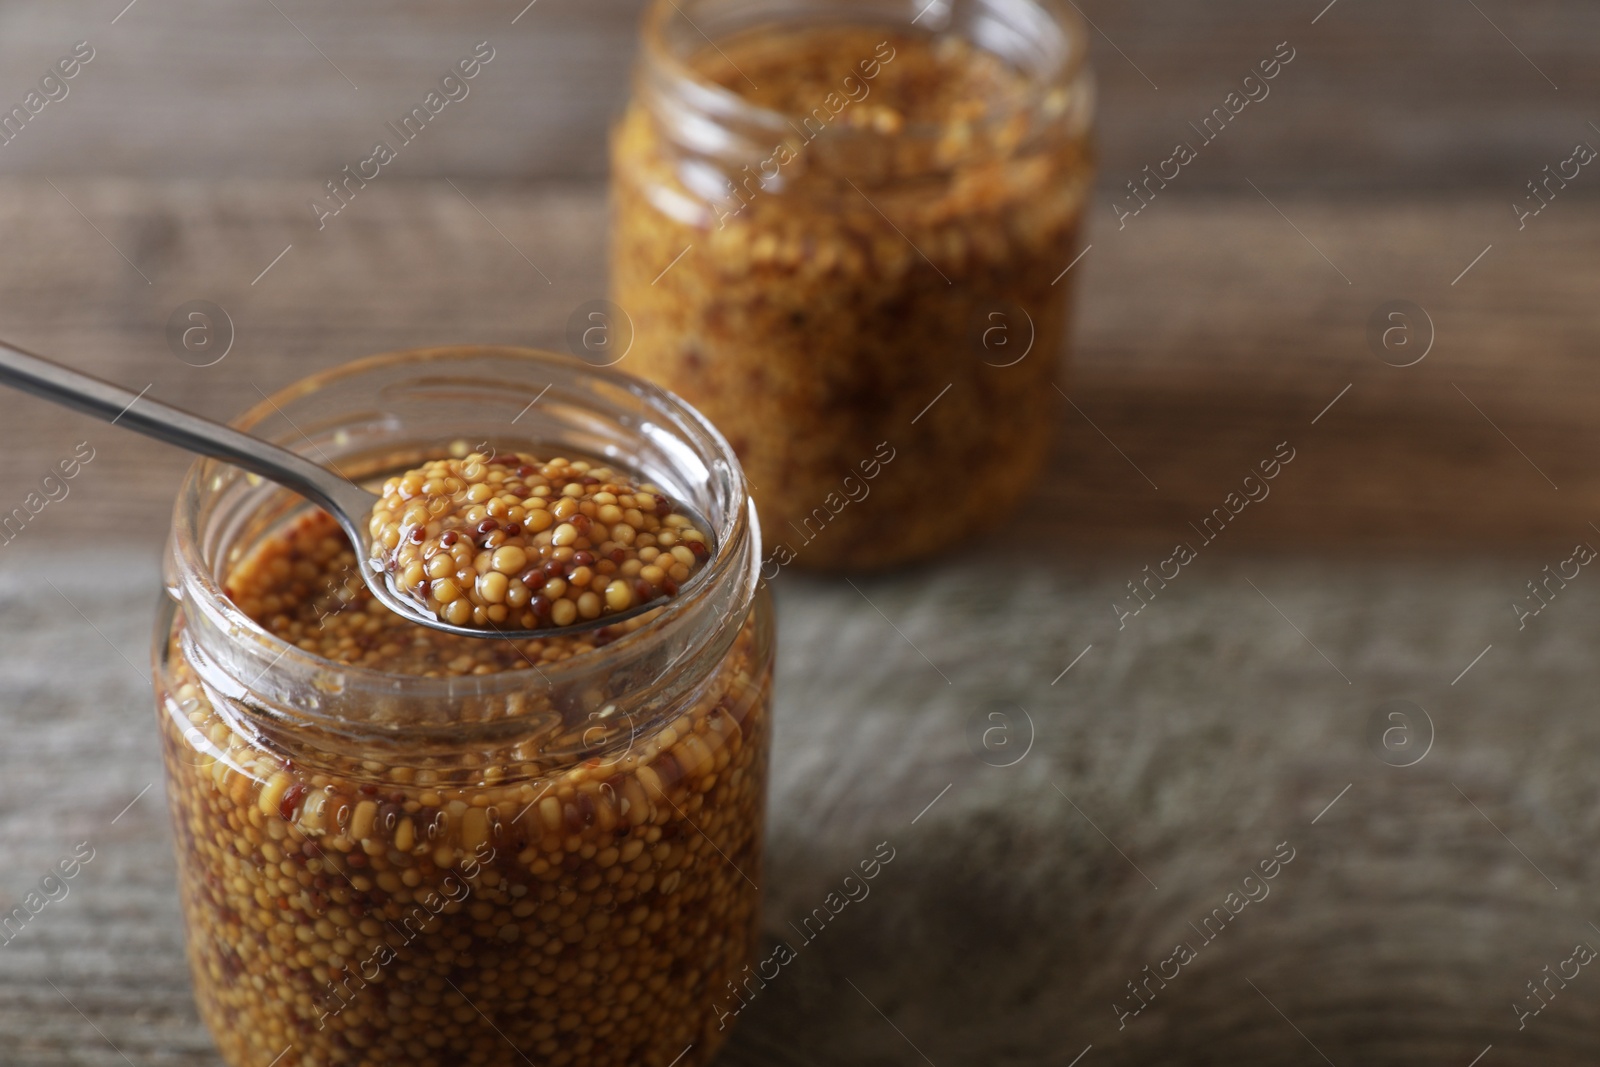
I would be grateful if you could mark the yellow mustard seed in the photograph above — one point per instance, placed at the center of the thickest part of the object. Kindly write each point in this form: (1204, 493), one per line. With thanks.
(505, 539)
(333, 902)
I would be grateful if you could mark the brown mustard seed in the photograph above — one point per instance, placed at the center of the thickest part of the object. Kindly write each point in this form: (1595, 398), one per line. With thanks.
(857, 272)
(459, 537)
(516, 905)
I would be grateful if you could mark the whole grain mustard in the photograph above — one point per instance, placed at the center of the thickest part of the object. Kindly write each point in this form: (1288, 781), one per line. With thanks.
(841, 239)
(525, 903)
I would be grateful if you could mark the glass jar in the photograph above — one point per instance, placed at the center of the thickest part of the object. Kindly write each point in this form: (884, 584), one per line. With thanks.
(556, 863)
(843, 232)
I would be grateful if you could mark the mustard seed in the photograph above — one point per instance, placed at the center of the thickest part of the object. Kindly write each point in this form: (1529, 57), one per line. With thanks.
(805, 280)
(444, 528)
(332, 902)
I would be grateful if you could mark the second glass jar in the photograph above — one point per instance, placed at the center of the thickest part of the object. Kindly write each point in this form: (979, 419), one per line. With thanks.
(841, 232)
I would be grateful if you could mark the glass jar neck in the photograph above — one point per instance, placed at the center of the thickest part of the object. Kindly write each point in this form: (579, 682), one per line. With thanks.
(385, 413)
(725, 148)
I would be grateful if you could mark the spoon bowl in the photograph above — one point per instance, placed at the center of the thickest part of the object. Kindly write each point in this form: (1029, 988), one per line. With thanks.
(350, 505)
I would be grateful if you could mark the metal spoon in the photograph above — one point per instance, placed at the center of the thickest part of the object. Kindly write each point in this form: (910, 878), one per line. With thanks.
(348, 503)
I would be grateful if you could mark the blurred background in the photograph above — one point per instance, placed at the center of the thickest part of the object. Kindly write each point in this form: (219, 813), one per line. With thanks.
(1437, 473)
(1380, 169)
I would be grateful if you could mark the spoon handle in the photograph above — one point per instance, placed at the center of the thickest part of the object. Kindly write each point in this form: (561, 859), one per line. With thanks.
(139, 413)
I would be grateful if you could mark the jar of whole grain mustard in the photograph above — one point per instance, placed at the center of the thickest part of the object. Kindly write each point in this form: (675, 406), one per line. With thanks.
(843, 232)
(399, 847)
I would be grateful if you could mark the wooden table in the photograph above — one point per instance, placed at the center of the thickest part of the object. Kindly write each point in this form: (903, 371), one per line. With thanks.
(1241, 712)
(1177, 751)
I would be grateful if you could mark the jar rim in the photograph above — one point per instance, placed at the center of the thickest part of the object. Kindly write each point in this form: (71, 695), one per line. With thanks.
(734, 531)
(1070, 61)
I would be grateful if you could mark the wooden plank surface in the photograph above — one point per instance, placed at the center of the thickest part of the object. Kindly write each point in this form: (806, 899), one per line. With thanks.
(1210, 330)
(1182, 747)
(1411, 94)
